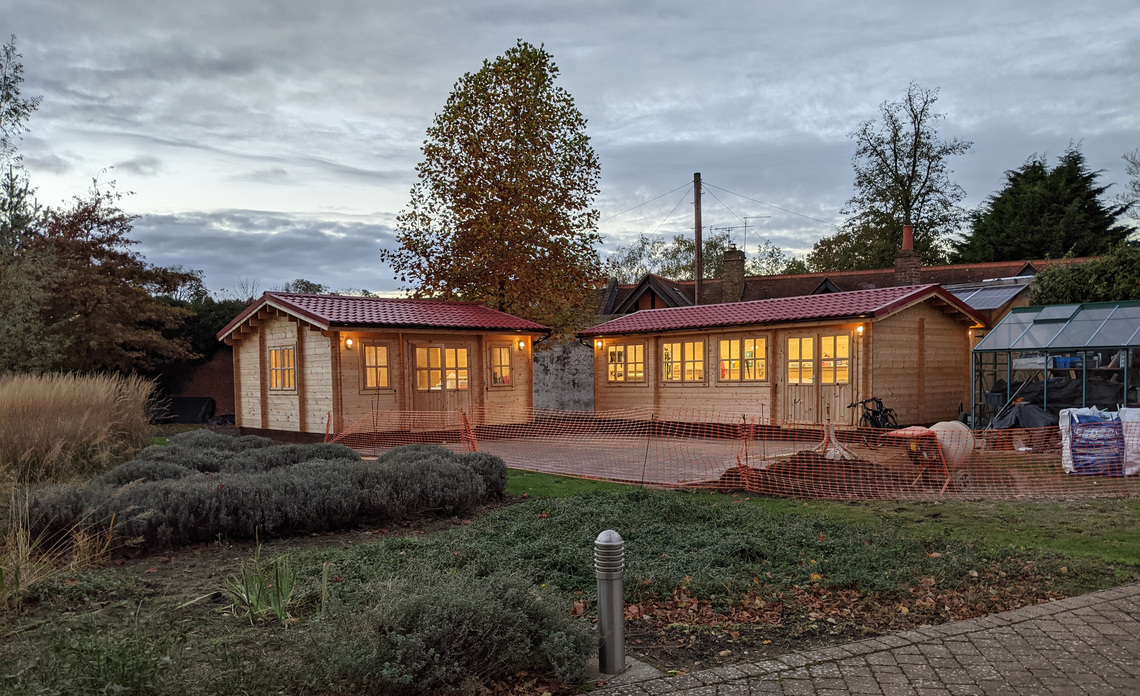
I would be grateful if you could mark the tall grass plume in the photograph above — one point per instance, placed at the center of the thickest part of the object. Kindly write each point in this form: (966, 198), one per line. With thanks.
(59, 428)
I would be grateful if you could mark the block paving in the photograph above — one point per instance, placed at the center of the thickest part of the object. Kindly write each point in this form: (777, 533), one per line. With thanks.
(1086, 645)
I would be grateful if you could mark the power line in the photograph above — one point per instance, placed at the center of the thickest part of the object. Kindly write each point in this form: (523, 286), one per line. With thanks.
(754, 200)
(725, 206)
(645, 203)
(679, 202)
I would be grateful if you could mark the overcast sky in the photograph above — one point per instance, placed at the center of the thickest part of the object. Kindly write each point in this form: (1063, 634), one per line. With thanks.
(266, 141)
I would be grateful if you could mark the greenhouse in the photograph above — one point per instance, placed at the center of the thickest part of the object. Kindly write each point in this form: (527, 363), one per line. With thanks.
(1059, 356)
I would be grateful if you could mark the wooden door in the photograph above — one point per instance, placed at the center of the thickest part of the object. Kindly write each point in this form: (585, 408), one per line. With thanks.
(836, 373)
(801, 394)
(442, 377)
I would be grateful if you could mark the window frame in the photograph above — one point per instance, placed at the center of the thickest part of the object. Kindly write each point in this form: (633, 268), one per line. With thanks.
(834, 360)
(686, 361)
(282, 371)
(387, 367)
(799, 361)
(739, 340)
(492, 348)
(608, 348)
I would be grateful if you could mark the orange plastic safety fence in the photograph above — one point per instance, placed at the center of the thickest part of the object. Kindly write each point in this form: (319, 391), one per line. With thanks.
(747, 452)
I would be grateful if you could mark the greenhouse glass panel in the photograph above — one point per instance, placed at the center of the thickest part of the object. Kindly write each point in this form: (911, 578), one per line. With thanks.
(1121, 329)
(1006, 332)
(1057, 313)
(1037, 336)
(1080, 329)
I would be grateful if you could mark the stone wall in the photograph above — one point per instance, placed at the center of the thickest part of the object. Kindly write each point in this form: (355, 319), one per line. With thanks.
(564, 377)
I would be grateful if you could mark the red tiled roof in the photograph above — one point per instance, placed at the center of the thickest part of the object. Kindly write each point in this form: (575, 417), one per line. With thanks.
(329, 311)
(858, 303)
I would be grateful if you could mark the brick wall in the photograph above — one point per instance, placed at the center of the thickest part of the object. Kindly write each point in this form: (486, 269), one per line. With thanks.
(214, 379)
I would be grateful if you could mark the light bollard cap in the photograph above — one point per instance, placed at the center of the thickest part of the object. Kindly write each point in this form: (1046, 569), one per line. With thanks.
(609, 555)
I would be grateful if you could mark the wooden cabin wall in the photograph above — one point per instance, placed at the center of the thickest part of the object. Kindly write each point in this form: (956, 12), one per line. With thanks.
(282, 407)
(625, 395)
(247, 381)
(316, 382)
(515, 403)
(356, 400)
(921, 364)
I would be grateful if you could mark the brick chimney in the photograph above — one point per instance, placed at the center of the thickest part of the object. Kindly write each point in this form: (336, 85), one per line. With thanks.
(732, 286)
(907, 262)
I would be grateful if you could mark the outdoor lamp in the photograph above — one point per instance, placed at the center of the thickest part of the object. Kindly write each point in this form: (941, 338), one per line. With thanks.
(598, 343)
(859, 329)
(348, 343)
(522, 344)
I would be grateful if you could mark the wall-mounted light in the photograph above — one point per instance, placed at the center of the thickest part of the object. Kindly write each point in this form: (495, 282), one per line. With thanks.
(971, 332)
(859, 329)
(522, 345)
(348, 343)
(598, 343)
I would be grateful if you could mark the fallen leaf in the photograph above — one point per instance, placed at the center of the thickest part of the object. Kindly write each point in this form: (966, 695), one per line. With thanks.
(150, 570)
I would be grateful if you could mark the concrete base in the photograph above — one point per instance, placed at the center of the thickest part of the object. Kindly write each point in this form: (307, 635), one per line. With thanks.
(635, 671)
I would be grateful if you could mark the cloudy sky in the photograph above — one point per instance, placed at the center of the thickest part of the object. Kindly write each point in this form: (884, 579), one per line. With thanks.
(266, 141)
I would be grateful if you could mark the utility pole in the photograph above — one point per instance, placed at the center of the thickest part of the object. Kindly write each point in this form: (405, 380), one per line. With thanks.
(699, 271)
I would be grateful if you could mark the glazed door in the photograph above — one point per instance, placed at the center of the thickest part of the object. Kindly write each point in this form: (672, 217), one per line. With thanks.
(836, 370)
(442, 378)
(801, 396)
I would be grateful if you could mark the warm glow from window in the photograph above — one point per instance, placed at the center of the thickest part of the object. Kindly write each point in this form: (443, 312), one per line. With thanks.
(375, 366)
(683, 361)
(625, 363)
(743, 359)
(282, 371)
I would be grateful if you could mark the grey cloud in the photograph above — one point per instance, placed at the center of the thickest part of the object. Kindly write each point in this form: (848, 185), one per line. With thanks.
(273, 247)
(143, 165)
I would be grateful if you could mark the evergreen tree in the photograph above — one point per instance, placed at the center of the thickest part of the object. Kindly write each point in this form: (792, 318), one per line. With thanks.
(1044, 213)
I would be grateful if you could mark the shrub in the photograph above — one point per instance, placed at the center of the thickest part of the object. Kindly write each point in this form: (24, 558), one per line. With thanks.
(491, 469)
(434, 633)
(171, 508)
(208, 439)
(142, 470)
(59, 428)
(266, 458)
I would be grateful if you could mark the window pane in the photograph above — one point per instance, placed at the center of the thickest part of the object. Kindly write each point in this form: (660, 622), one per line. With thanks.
(827, 347)
(806, 348)
(807, 372)
(793, 349)
(841, 371)
(843, 346)
(793, 372)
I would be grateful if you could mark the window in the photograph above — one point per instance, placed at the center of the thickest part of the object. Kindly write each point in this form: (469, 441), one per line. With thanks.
(743, 359)
(439, 368)
(683, 361)
(282, 371)
(626, 363)
(458, 374)
(801, 360)
(834, 359)
(500, 366)
(375, 366)
(429, 368)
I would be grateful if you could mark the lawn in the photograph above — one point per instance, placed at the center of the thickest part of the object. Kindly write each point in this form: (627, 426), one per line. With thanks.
(711, 578)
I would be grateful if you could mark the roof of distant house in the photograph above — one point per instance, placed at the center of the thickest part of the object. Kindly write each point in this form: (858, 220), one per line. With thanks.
(857, 304)
(340, 311)
(618, 298)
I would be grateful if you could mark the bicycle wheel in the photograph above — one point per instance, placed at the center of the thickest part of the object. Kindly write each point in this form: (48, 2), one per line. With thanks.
(868, 431)
(890, 420)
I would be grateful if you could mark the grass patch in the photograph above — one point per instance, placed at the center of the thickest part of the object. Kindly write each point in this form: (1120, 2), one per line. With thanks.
(539, 485)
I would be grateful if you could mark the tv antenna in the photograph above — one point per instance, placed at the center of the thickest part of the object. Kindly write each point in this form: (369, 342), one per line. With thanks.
(745, 227)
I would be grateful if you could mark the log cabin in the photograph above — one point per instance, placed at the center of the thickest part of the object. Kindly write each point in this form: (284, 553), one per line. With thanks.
(308, 364)
(795, 359)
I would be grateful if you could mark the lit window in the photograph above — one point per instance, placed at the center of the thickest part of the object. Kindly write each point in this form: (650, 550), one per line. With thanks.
(500, 366)
(801, 360)
(458, 374)
(683, 361)
(282, 371)
(834, 359)
(429, 368)
(626, 363)
(375, 366)
(743, 359)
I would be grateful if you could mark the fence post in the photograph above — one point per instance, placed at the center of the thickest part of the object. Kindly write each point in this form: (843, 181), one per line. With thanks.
(609, 566)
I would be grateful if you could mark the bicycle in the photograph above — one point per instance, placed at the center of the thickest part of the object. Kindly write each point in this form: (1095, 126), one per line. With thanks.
(873, 421)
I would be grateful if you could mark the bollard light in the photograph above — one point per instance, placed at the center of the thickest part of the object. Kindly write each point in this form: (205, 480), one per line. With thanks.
(609, 566)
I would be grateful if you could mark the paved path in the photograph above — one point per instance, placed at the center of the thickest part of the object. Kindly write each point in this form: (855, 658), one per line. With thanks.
(1081, 645)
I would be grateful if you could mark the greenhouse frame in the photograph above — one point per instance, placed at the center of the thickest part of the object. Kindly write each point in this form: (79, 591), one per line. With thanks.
(1059, 356)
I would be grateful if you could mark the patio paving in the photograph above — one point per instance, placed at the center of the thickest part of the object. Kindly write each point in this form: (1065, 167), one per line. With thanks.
(1088, 645)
